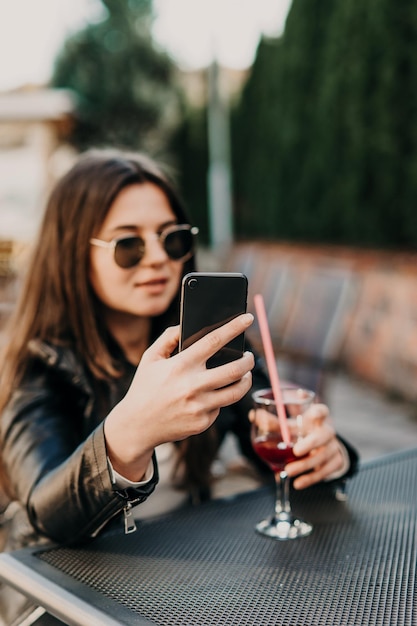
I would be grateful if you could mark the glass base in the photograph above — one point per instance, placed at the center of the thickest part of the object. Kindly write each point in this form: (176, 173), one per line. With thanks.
(282, 529)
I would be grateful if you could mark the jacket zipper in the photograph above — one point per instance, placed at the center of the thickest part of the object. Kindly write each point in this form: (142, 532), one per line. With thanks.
(130, 524)
(129, 520)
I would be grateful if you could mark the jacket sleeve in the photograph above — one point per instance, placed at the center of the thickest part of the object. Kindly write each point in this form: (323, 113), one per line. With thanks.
(61, 479)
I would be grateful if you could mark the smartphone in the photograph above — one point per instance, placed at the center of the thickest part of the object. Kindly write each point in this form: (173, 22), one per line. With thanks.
(209, 300)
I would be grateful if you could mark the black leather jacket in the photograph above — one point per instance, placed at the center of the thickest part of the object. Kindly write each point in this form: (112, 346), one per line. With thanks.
(53, 449)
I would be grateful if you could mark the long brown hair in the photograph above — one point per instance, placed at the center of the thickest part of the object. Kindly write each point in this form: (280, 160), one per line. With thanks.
(57, 303)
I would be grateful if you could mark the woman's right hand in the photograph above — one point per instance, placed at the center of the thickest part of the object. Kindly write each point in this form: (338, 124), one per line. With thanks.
(172, 398)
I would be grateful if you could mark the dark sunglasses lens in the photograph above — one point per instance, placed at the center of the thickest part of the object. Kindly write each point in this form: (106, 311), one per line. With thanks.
(128, 252)
(178, 244)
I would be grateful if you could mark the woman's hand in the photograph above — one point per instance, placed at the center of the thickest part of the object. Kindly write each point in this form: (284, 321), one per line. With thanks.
(324, 452)
(172, 398)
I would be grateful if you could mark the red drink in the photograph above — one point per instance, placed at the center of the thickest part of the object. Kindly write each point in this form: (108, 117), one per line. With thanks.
(275, 452)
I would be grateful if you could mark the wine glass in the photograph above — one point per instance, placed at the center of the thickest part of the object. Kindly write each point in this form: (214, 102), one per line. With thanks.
(268, 442)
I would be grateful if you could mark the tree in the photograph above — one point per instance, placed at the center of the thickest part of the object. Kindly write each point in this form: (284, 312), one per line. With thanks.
(190, 146)
(254, 145)
(273, 136)
(127, 89)
(325, 134)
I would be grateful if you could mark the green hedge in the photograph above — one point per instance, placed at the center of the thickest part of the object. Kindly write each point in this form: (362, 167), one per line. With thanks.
(325, 132)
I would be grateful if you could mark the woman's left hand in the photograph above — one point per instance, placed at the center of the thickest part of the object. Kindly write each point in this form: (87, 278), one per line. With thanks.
(324, 454)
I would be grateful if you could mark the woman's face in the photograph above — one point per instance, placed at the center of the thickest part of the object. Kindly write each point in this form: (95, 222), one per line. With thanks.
(147, 289)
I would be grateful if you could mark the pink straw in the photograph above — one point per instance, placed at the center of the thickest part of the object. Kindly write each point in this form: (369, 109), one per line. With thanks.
(272, 366)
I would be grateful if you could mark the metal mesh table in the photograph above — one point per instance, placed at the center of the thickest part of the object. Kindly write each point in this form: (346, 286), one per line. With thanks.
(207, 566)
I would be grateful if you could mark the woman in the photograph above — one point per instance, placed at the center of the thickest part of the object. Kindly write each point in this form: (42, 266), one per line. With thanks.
(90, 382)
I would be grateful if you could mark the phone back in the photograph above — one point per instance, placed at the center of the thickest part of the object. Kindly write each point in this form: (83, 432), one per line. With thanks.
(209, 300)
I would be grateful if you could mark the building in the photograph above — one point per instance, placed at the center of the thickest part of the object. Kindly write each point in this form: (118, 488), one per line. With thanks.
(34, 123)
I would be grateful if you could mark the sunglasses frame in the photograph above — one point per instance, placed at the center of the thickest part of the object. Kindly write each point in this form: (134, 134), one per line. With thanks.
(161, 237)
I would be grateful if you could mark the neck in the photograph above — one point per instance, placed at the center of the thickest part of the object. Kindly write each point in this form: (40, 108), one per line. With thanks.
(131, 333)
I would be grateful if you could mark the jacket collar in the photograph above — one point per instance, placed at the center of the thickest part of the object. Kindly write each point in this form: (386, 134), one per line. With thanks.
(62, 359)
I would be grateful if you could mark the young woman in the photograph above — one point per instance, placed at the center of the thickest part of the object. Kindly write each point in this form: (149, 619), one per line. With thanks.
(90, 380)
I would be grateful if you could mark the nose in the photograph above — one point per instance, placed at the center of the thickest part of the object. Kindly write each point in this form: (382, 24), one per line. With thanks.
(154, 251)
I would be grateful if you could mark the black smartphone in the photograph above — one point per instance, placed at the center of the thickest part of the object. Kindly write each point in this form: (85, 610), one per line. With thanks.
(209, 300)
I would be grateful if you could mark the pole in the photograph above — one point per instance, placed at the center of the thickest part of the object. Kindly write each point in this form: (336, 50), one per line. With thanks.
(219, 172)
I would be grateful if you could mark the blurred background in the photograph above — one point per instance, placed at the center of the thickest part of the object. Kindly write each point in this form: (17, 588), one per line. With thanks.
(164, 76)
(291, 130)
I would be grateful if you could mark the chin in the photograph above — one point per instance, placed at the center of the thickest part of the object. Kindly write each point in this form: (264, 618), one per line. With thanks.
(154, 309)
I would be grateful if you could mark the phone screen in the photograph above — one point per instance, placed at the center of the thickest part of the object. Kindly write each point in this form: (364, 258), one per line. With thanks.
(209, 300)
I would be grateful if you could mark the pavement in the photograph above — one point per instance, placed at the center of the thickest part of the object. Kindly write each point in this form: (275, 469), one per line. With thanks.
(373, 422)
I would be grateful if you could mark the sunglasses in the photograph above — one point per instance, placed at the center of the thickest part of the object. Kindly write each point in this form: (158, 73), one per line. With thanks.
(177, 241)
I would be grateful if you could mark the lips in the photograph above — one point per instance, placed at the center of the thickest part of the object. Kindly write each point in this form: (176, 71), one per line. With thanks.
(155, 282)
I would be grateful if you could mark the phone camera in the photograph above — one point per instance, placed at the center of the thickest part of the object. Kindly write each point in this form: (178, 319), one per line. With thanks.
(192, 283)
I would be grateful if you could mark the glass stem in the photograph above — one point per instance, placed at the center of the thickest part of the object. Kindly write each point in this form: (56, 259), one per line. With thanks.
(282, 499)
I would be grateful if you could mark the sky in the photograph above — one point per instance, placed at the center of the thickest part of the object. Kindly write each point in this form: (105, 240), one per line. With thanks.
(192, 31)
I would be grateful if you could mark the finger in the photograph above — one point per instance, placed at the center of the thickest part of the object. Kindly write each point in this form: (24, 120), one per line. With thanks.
(207, 346)
(315, 414)
(318, 411)
(318, 474)
(318, 457)
(231, 394)
(307, 463)
(165, 345)
(265, 421)
(318, 437)
(223, 375)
